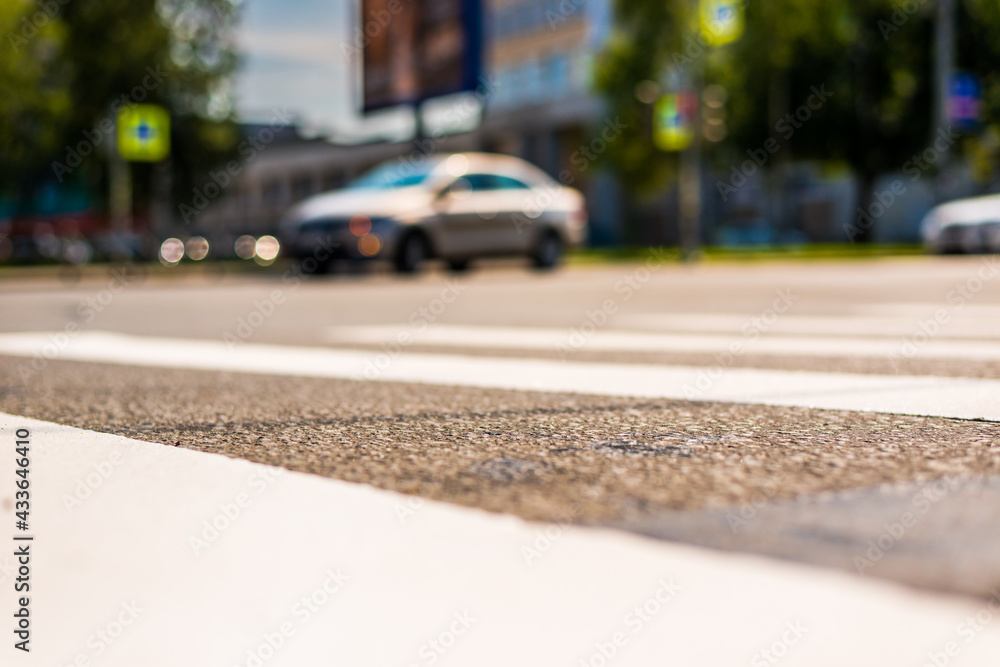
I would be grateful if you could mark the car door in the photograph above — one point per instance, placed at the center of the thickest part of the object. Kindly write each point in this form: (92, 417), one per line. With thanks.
(515, 201)
(469, 208)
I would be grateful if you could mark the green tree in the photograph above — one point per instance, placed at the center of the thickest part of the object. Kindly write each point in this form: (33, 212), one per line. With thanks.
(177, 53)
(874, 57)
(35, 103)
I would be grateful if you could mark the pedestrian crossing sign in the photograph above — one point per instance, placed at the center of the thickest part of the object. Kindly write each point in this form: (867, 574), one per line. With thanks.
(721, 21)
(673, 121)
(143, 133)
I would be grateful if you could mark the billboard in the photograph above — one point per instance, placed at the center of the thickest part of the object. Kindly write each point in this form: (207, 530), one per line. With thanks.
(418, 49)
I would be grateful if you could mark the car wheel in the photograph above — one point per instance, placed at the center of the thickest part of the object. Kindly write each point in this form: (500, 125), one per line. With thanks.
(458, 265)
(548, 252)
(412, 253)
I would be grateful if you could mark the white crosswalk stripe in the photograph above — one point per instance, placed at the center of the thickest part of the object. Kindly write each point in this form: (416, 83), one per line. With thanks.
(968, 326)
(340, 581)
(962, 398)
(749, 338)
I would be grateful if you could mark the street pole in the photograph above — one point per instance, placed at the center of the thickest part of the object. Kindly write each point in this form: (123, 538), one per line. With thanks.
(690, 173)
(120, 199)
(944, 61)
(419, 128)
(690, 197)
(161, 220)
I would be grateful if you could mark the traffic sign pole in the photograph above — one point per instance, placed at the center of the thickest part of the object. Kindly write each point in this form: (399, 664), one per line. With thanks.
(119, 188)
(720, 22)
(120, 202)
(944, 58)
(690, 177)
(143, 135)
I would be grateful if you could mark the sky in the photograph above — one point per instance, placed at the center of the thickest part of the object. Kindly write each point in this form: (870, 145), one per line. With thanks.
(294, 58)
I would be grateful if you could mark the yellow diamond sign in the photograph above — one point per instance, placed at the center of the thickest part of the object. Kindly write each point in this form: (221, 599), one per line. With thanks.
(721, 21)
(144, 133)
(673, 121)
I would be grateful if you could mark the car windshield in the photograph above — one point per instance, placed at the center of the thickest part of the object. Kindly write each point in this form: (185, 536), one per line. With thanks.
(392, 175)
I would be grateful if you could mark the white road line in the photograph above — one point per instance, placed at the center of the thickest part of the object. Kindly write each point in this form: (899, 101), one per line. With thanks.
(962, 398)
(959, 326)
(118, 581)
(960, 307)
(530, 338)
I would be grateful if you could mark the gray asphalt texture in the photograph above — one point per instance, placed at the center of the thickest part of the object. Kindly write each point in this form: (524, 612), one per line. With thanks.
(809, 485)
(202, 302)
(670, 469)
(942, 534)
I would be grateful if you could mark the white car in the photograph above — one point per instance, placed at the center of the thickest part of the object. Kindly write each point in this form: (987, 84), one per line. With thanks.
(964, 225)
(456, 208)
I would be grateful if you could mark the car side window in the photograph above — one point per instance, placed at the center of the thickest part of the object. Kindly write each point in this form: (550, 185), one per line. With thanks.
(508, 183)
(488, 182)
(477, 182)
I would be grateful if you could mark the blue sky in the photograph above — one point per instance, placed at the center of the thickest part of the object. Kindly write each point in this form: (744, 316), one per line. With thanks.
(293, 58)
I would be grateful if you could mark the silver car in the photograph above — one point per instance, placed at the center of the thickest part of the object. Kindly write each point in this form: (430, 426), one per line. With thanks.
(456, 208)
(964, 225)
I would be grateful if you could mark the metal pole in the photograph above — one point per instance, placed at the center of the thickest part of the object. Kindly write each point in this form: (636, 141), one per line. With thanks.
(120, 200)
(419, 129)
(690, 177)
(944, 60)
(119, 185)
(690, 200)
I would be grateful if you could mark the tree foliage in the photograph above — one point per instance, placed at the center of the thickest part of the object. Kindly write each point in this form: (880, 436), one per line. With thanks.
(35, 103)
(60, 81)
(875, 57)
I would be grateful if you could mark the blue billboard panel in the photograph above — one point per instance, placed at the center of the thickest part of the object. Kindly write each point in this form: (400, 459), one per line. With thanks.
(418, 49)
(964, 100)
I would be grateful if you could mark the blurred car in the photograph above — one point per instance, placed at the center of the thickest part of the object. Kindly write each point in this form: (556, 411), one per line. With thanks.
(963, 225)
(456, 208)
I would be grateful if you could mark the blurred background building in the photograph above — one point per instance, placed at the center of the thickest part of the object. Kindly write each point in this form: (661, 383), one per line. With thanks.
(536, 102)
(556, 77)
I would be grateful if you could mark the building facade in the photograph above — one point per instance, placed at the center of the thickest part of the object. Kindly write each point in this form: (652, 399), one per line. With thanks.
(536, 104)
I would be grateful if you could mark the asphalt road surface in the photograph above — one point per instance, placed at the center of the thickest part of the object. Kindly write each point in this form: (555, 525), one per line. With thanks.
(837, 414)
